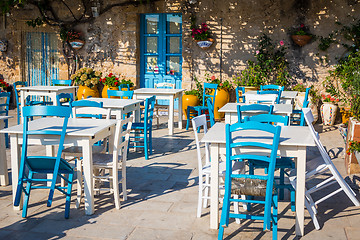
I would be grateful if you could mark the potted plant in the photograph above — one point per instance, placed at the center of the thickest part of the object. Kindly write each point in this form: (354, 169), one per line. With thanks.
(329, 109)
(128, 82)
(192, 97)
(4, 85)
(301, 35)
(87, 80)
(251, 78)
(110, 82)
(222, 94)
(354, 147)
(73, 37)
(201, 34)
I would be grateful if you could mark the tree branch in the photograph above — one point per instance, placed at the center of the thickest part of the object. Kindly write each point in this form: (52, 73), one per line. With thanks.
(67, 6)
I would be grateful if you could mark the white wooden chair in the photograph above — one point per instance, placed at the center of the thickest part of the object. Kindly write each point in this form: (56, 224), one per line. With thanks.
(84, 109)
(316, 167)
(165, 85)
(205, 169)
(115, 161)
(261, 98)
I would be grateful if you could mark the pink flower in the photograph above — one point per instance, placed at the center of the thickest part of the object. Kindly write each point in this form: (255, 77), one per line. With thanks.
(213, 78)
(282, 43)
(257, 52)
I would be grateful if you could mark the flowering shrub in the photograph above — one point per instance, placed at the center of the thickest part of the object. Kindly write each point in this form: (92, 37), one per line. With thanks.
(299, 87)
(4, 85)
(129, 82)
(329, 99)
(86, 77)
(70, 35)
(221, 85)
(110, 80)
(198, 91)
(202, 33)
(354, 146)
(301, 30)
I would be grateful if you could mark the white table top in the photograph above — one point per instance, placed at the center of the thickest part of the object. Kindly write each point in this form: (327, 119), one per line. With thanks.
(278, 108)
(115, 102)
(284, 94)
(47, 88)
(156, 91)
(290, 135)
(76, 126)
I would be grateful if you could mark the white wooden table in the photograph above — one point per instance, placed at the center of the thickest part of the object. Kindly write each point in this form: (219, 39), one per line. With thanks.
(120, 106)
(4, 176)
(287, 97)
(230, 110)
(44, 91)
(80, 132)
(293, 143)
(164, 94)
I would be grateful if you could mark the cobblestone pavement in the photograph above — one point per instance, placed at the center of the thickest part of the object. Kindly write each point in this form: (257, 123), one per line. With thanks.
(162, 202)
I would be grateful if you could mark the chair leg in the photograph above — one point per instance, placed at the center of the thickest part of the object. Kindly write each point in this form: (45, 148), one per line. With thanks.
(312, 215)
(123, 180)
(187, 118)
(150, 141)
(115, 184)
(292, 199)
(68, 195)
(27, 195)
(282, 182)
(275, 216)
(224, 221)
(236, 209)
(78, 183)
(146, 145)
(206, 191)
(200, 196)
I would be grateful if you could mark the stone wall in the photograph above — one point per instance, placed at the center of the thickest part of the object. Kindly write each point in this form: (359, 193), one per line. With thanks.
(112, 40)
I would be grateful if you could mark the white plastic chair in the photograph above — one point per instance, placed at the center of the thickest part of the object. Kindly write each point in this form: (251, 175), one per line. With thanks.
(317, 166)
(261, 98)
(115, 161)
(205, 169)
(165, 85)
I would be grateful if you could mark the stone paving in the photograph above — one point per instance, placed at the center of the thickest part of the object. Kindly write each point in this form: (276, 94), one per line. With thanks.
(162, 202)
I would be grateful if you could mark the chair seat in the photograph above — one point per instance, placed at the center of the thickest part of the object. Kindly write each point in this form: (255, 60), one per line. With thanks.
(43, 164)
(282, 162)
(315, 165)
(198, 108)
(103, 160)
(138, 126)
(76, 151)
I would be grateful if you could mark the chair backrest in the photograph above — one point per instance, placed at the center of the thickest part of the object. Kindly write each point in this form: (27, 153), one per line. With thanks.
(121, 140)
(17, 93)
(4, 103)
(89, 109)
(272, 87)
(253, 109)
(149, 111)
(198, 122)
(234, 143)
(68, 97)
(61, 82)
(273, 119)
(124, 86)
(165, 85)
(240, 94)
(278, 93)
(211, 112)
(121, 94)
(261, 98)
(209, 92)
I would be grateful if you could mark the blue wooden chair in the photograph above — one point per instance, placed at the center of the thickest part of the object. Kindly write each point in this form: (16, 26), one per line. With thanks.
(29, 101)
(282, 163)
(250, 184)
(253, 109)
(299, 119)
(119, 93)
(240, 98)
(31, 165)
(272, 87)
(278, 93)
(211, 112)
(68, 98)
(145, 128)
(61, 82)
(124, 86)
(4, 111)
(193, 111)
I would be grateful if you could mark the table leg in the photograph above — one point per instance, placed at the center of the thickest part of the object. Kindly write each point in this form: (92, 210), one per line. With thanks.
(15, 160)
(300, 191)
(22, 103)
(88, 177)
(171, 116)
(180, 111)
(228, 117)
(4, 176)
(214, 186)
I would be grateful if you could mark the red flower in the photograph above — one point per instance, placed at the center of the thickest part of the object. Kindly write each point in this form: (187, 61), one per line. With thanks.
(110, 74)
(116, 79)
(213, 78)
(116, 83)
(302, 25)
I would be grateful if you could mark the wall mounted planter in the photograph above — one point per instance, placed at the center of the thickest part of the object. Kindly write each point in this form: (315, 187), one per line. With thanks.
(301, 40)
(77, 44)
(3, 45)
(205, 44)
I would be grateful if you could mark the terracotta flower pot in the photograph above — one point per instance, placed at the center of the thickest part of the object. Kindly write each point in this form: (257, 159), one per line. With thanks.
(84, 92)
(301, 40)
(104, 91)
(189, 100)
(222, 97)
(328, 113)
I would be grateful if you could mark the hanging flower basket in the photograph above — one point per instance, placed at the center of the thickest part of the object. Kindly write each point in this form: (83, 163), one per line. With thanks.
(205, 44)
(301, 40)
(77, 44)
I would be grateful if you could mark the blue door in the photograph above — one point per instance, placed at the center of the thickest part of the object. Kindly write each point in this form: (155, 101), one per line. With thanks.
(42, 58)
(161, 48)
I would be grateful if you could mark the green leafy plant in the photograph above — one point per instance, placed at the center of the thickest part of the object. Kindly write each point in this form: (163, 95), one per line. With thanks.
(86, 77)
(110, 80)
(300, 30)
(129, 82)
(299, 87)
(329, 99)
(4, 85)
(198, 91)
(201, 33)
(325, 42)
(221, 84)
(354, 146)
